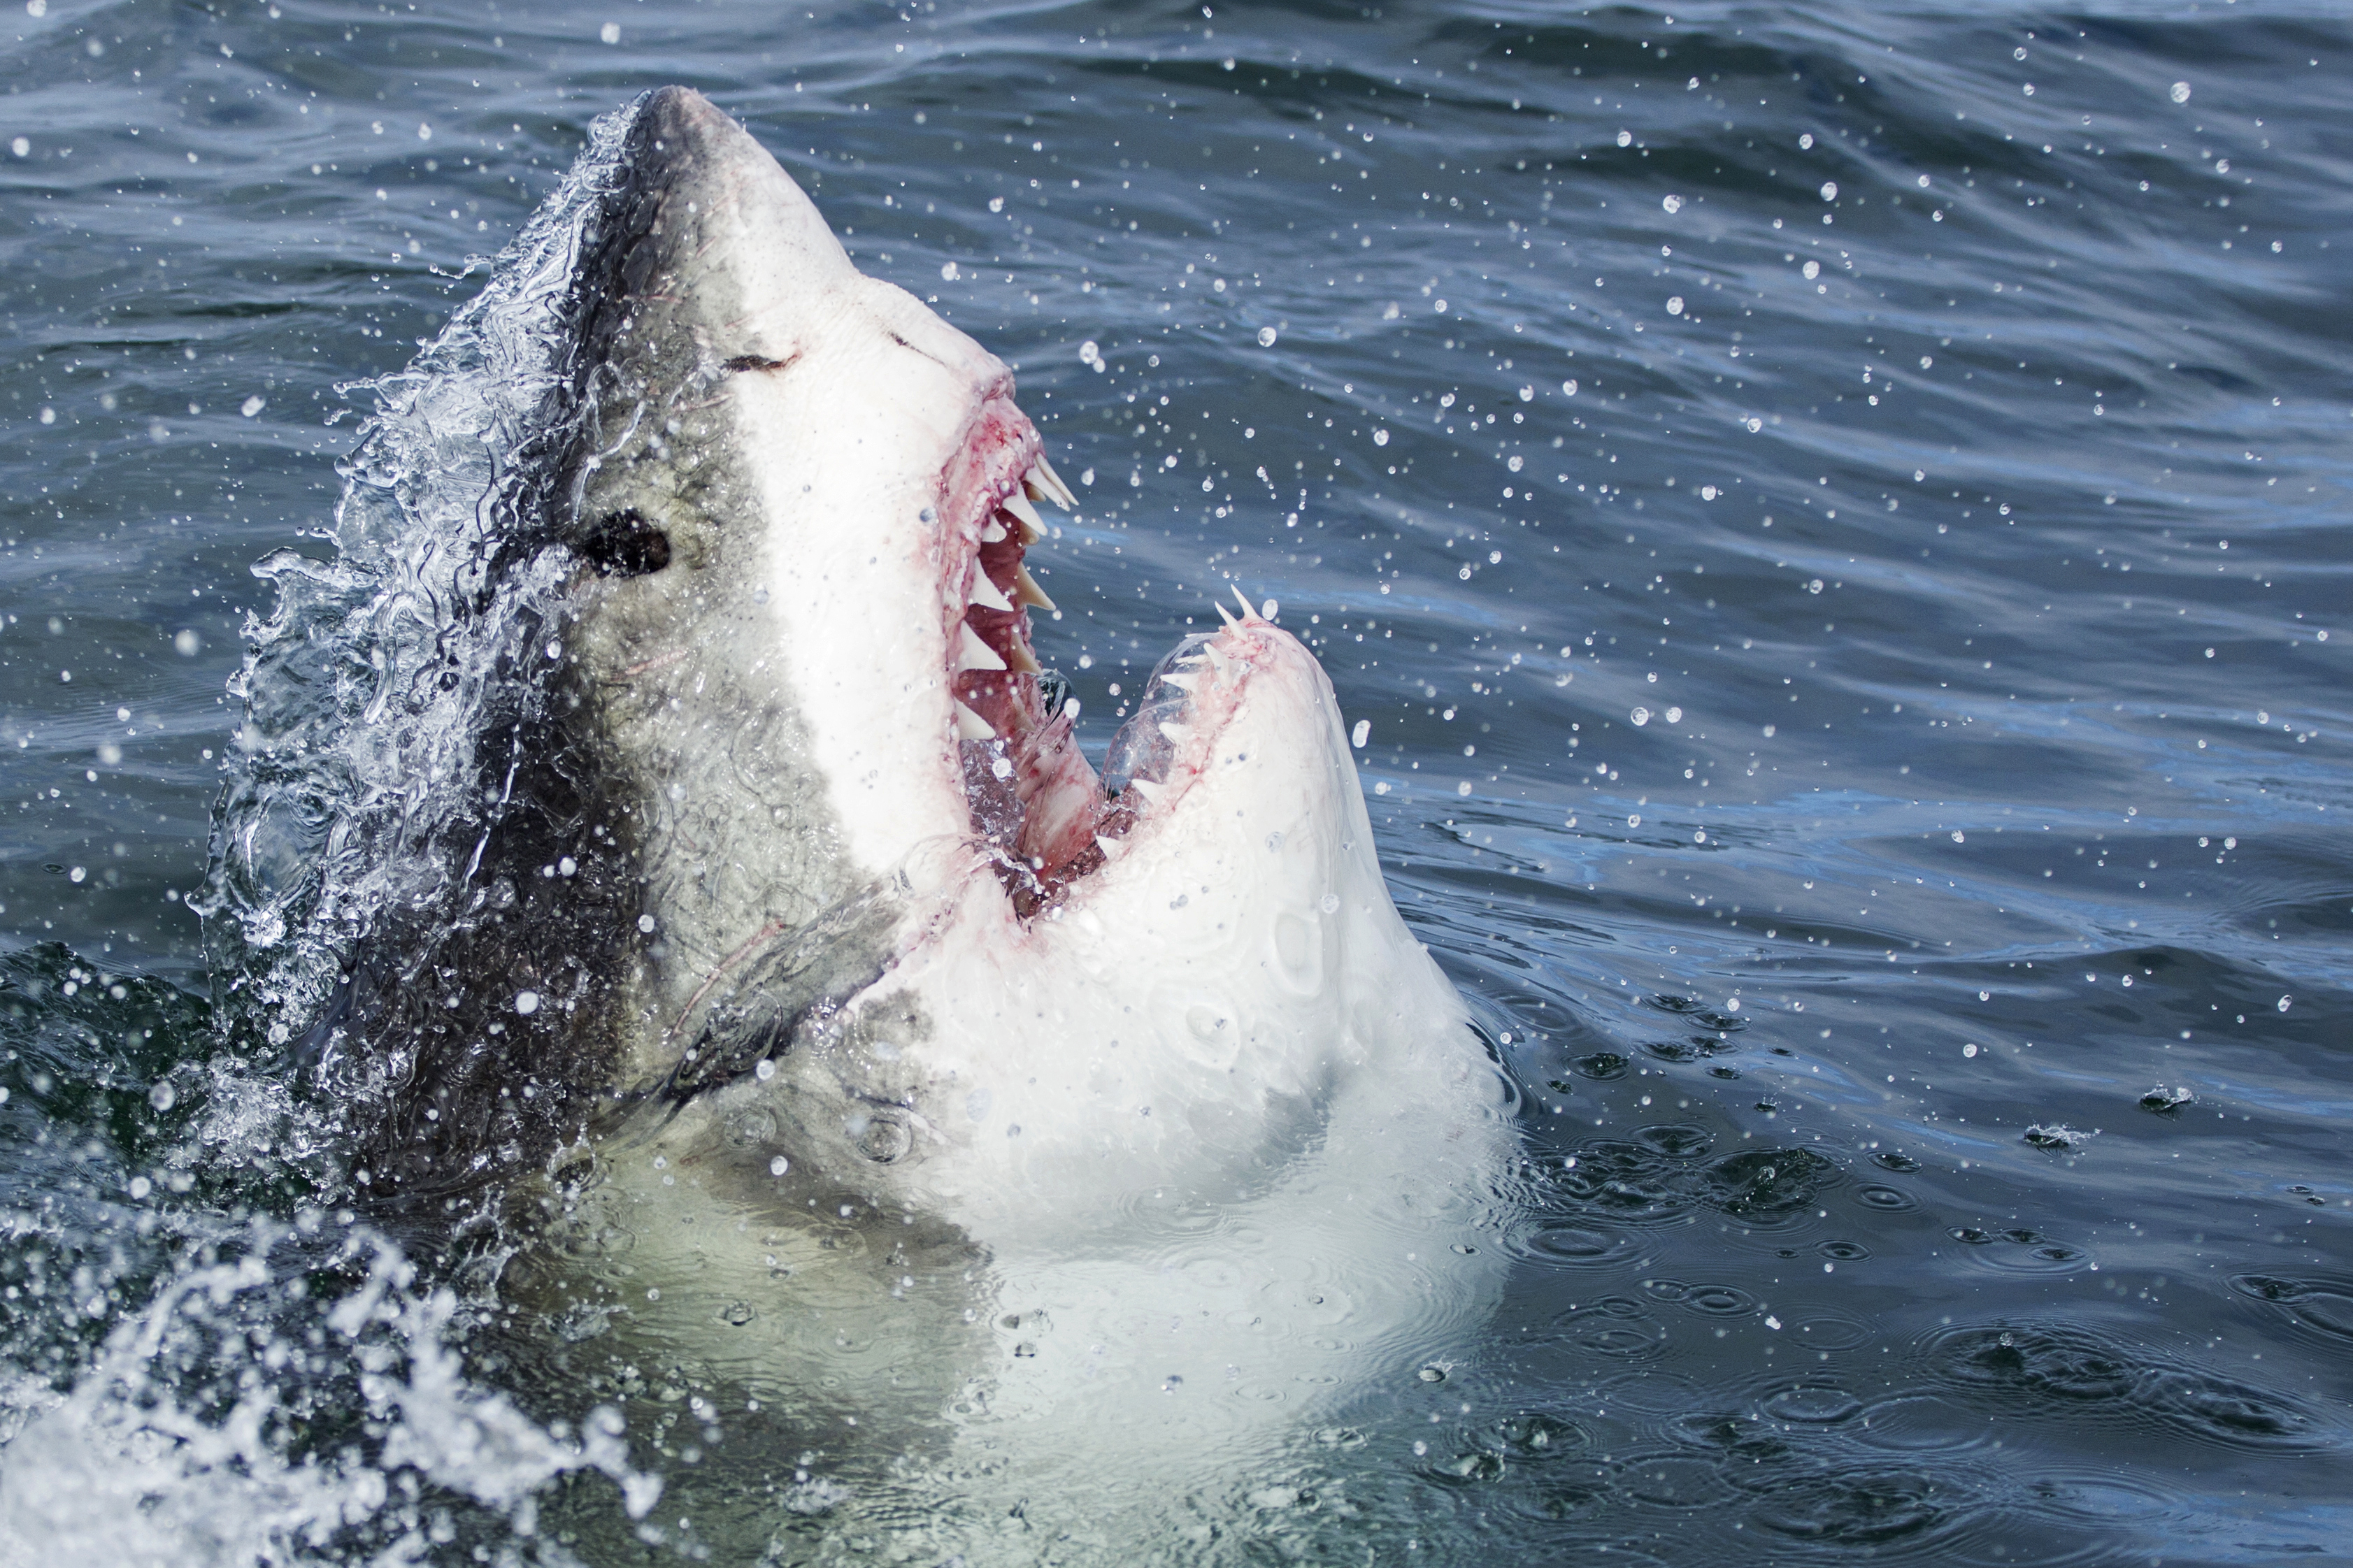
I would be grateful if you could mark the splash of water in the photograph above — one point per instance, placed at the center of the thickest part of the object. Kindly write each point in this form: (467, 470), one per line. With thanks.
(295, 1392)
(355, 785)
(249, 1417)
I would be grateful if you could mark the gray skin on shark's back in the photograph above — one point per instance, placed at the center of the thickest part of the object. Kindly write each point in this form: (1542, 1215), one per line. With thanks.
(607, 790)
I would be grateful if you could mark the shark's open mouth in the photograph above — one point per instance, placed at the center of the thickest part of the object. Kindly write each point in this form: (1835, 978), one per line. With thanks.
(1035, 800)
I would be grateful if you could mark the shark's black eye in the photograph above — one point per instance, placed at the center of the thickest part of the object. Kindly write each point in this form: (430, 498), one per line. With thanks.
(623, 545)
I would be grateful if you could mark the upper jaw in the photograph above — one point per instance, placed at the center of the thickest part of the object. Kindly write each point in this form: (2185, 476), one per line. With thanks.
(1030, 797)
(844, 388)
(1039, 814)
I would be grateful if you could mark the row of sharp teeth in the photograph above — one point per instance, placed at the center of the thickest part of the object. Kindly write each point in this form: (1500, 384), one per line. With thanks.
(1207, 665)
(1186, 675)
(1040, 483)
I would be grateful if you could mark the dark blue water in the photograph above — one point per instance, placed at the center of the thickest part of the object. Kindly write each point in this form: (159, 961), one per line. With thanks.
(1833, 510)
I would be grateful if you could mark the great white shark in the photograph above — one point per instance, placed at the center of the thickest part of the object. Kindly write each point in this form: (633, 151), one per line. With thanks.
(818, 1020)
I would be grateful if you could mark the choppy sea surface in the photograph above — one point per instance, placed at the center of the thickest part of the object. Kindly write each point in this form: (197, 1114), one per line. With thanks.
(1831, 517)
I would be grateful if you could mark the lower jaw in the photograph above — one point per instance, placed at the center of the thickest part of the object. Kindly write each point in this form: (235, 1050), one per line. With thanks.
(1039, 805)
(1036, 804)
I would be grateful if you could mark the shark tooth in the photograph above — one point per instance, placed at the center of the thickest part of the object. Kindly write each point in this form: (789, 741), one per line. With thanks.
(1033, 527)
(971, 726)
(1249, 611)
(1111, 848)
(985, 593)
(1224, 614)
(972, 653)
(1023, 661)
(1152, 793)
(1181, 682)
(993, 533)
(1026, 589)
(1041, 474)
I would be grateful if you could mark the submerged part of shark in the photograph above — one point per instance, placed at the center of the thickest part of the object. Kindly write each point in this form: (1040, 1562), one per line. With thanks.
(801, 1001)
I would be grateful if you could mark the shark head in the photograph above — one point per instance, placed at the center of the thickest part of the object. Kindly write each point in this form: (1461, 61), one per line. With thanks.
(896, 928)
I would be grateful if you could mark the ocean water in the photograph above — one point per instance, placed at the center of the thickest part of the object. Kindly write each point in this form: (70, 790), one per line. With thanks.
(1832, 517)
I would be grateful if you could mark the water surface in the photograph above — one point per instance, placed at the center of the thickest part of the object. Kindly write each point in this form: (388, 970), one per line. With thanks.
(1831, 516)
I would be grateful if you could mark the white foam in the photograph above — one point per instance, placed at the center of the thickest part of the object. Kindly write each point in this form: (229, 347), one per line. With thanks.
(143, 1463)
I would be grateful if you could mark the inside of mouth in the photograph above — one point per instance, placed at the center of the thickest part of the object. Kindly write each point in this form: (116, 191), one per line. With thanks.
(1035, 798)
